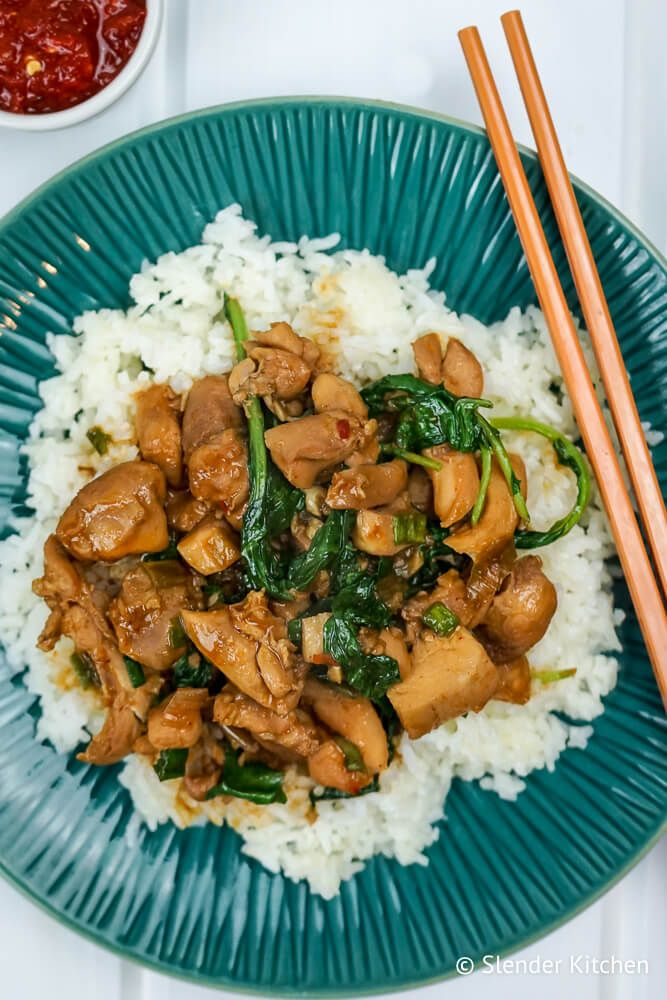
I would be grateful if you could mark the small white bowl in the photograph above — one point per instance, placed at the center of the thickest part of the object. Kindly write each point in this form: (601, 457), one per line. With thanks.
(103, 98)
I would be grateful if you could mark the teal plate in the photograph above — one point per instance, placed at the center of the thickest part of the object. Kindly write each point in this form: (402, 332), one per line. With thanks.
(409, 186)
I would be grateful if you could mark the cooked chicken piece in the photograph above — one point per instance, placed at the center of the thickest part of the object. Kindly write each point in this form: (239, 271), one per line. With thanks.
(367, 485)
(151, 598)
(520, 613)
(120, 513)
(249, 645)
(218, 472)
(427, 350)
(387, 642)
(395, 646)
(275, 654)
(211, 546)
(283, 337)
(209, 410)
(304, 527)
(450, 676)
(184, 512)
(290, 609)
(116, 738)
(420, 490)
(333, 393)
(294, 730)
(77, 612)
(369, 452)
(176, 722)
(455, 484)
(272, 374)
(495, 528)
(373, 533)
(352, 717)
(468, 599)
(514, 681)
(315, 497)
(306, 448)
(327, 767)
(159, 430)
(214, 447)
(203, 767)
(239, 377)
(312, 639)
(61, 585)
(461, 371)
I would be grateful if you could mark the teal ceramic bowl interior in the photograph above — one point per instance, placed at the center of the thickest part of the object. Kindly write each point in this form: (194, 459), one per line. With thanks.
(409, 186)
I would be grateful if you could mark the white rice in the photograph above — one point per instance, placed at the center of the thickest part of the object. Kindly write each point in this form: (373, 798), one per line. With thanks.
(354, 306)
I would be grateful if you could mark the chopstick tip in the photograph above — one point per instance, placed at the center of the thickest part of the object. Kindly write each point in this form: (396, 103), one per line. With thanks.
(511, 15)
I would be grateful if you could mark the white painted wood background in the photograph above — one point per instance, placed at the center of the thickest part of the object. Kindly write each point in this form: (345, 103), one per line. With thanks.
(603, 65)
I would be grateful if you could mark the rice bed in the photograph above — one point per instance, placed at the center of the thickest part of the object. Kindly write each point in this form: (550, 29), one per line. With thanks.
(367, 317)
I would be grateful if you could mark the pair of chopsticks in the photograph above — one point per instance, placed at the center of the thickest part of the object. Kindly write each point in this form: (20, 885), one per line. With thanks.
(635, 561)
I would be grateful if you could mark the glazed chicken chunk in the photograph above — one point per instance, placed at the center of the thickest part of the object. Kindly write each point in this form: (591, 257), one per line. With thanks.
(144, 613)
(450, 676)
(120, 513)
(214, 447)
(249, 644)
(306, 449)
(159, 430)
(278, 368)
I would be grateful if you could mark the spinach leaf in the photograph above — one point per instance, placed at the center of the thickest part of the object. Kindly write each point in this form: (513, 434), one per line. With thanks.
(335, 793)
(135, 672)
(272, 502)
(390, 721)
(294, 630)
(433, 551)
(253, 781)
(369, 674)
(358, 600)
(326, 546)
(226, 587)
(176, 635)
(429, 414)
(284, 501)
(568, 455)
(195, 674)
(170, 764)
(357, 604)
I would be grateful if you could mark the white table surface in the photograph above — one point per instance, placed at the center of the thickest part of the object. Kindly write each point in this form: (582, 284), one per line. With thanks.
(603, 68)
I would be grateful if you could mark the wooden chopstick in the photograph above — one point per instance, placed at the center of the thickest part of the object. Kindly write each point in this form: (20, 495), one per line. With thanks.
(591, 296)
(634, 559)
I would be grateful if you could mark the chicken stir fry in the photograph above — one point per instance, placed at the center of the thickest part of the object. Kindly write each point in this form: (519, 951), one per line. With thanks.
(292, 572)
